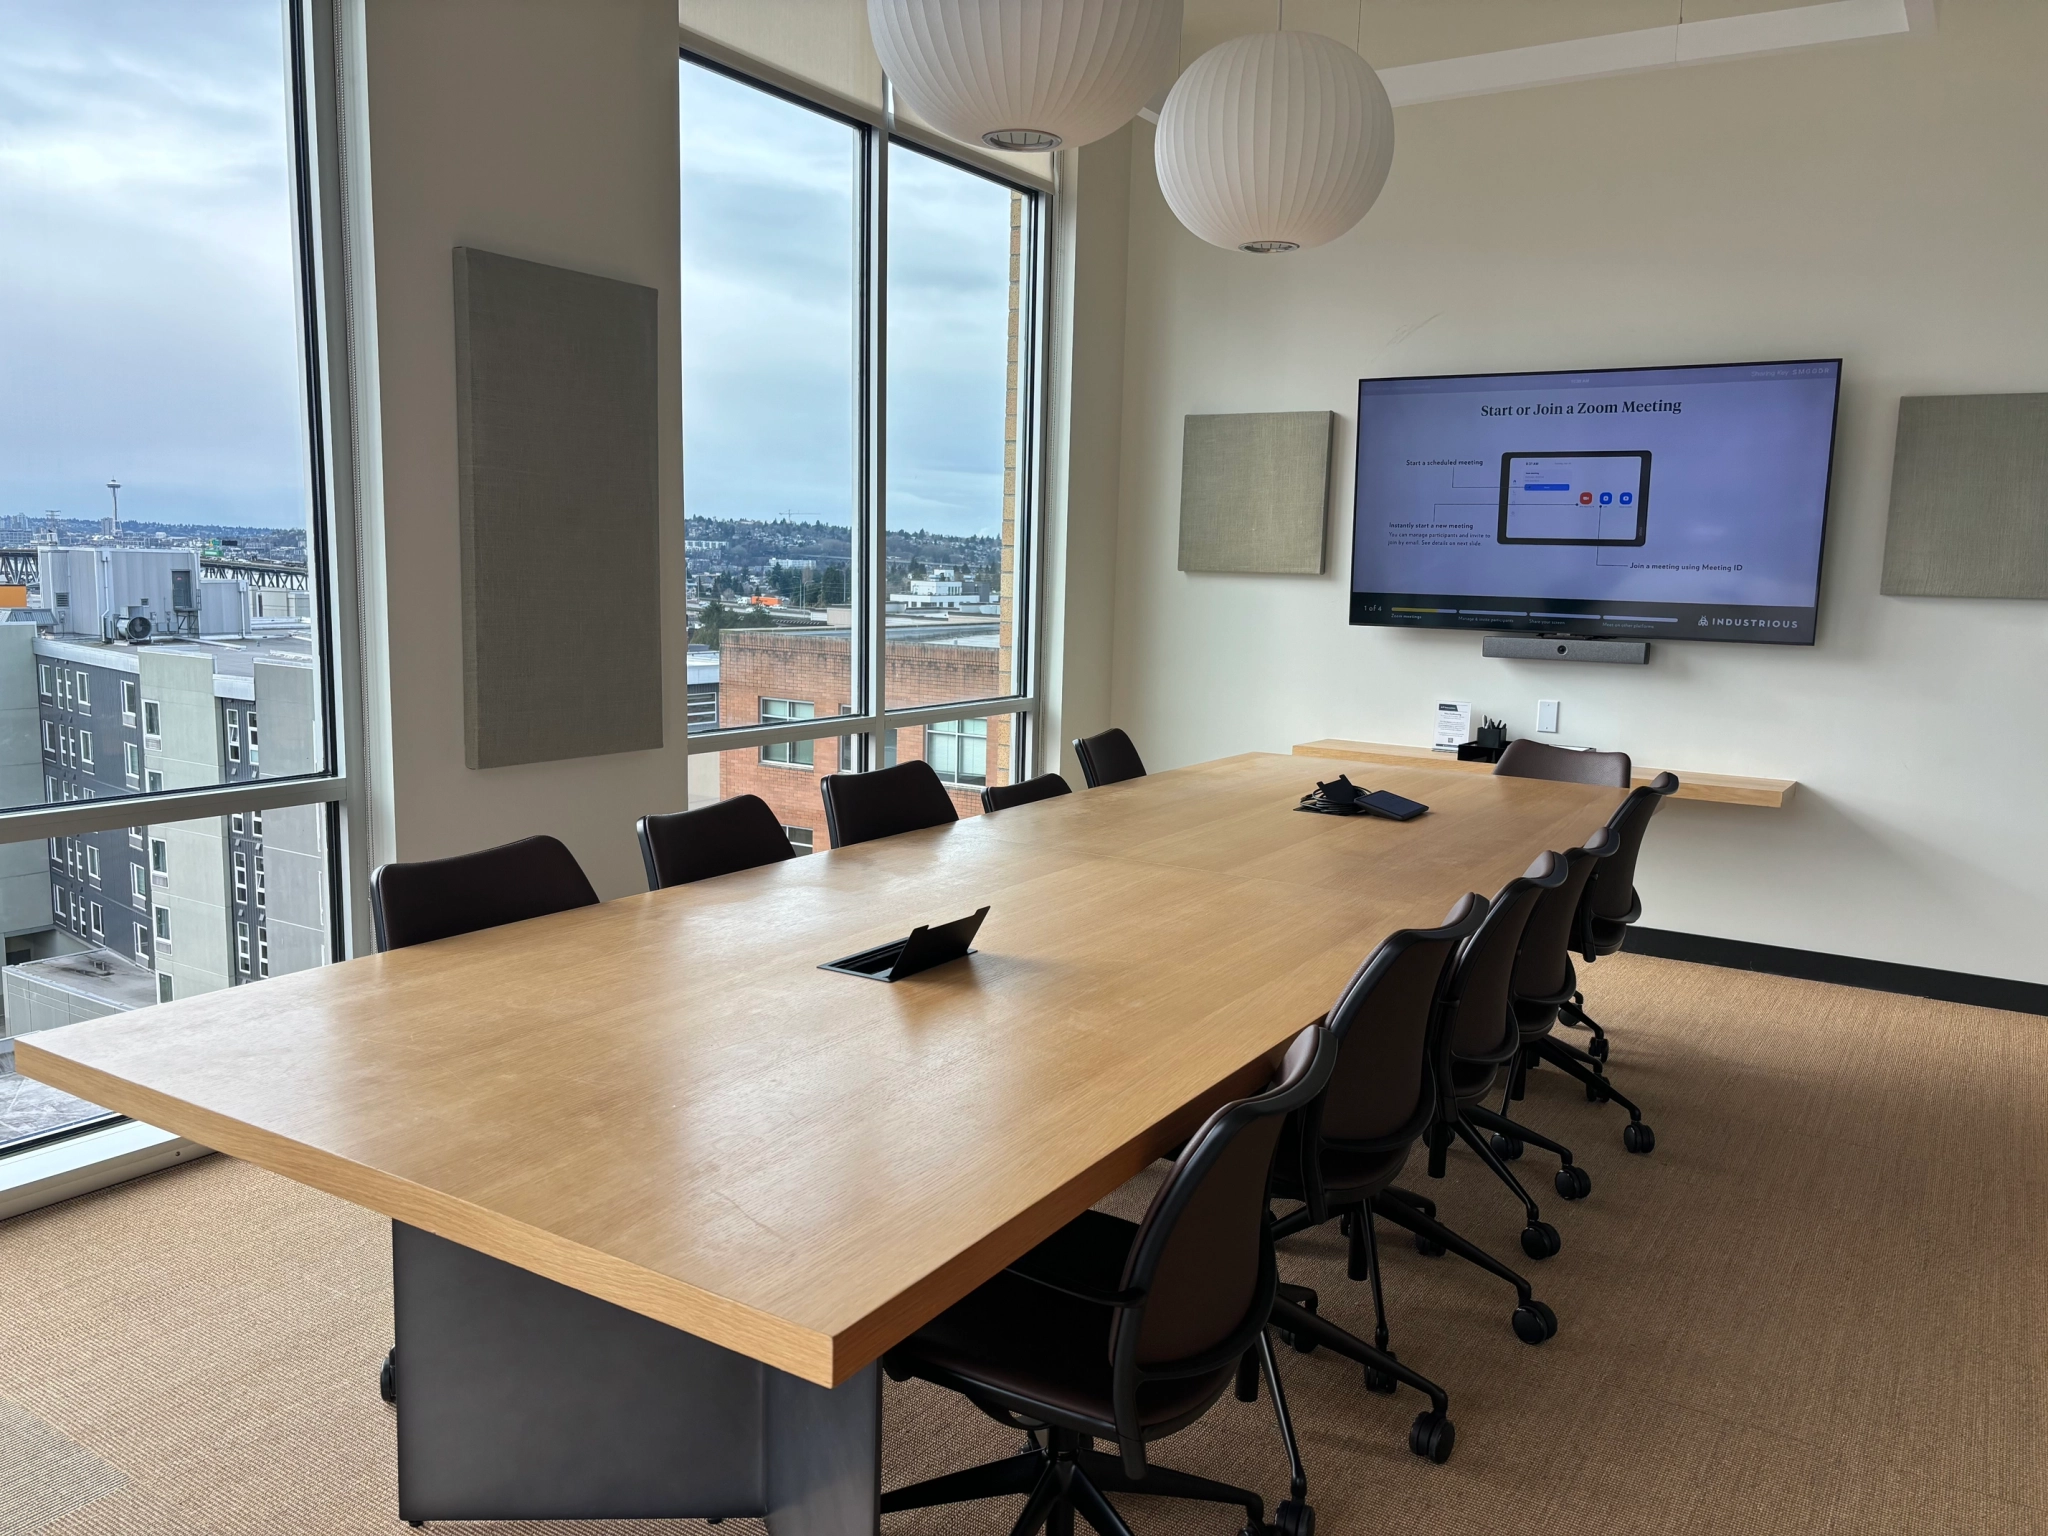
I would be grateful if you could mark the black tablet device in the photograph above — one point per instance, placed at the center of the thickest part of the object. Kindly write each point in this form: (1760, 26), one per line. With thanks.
(1384, 802)
(925, 948)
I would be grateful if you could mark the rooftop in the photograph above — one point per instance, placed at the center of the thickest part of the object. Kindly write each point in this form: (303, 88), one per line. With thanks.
(98, 975)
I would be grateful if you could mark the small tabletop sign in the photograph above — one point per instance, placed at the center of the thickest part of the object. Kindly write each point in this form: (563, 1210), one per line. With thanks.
(1453, 725)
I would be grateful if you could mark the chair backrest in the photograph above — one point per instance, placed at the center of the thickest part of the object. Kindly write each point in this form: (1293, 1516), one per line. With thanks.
(1203, 1255)
(1108, 758)
(1000, 797)
(740, 833)
(1543, 971)
(1526, 759)
(1478, 1021)
(439, 898)
(860, 807)
(1611, 893)
(1383, 1022)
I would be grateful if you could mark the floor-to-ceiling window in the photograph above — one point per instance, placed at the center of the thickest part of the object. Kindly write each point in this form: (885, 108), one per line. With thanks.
(860, 320)
(170, 778)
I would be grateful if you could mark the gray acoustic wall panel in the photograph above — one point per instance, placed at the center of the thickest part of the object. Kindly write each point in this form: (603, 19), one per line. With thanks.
(1253, 492)
(557, 417)
(1969, 498)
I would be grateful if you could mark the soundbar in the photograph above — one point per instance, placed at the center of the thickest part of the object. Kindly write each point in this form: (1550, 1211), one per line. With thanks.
(1567, 648)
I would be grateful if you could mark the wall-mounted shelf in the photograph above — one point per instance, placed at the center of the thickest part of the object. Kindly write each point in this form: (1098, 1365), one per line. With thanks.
(1724, 788)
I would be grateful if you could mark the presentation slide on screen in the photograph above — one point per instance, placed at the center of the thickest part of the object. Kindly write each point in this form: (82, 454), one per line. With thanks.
(1651, 501)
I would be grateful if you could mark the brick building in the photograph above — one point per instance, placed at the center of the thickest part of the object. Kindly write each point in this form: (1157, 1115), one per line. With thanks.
(767, 676)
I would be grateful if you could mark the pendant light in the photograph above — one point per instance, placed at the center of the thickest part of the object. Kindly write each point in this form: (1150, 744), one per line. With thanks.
(1274, 142)
(1027, 74)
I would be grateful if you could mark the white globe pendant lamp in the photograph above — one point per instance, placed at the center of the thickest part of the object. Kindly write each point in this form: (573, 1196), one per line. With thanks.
(1027, 74)
(1275, 142)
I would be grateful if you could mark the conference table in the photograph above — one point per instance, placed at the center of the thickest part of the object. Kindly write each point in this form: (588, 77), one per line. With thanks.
(663, 1191)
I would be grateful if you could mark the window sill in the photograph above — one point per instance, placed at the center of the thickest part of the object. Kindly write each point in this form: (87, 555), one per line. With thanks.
(77, 1165)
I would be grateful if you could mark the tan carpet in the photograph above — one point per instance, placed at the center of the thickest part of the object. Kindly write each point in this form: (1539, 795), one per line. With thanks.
(1819, 1306)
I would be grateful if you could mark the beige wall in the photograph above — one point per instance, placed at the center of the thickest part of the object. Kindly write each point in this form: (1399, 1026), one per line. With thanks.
(546, 130)
(1882, 201)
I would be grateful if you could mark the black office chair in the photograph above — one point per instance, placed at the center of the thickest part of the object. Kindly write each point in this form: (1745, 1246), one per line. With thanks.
(440, 898)
(1111, 1330)
(1612, 902)
(1344, 1154)
(1601, 923)
(1526, 759)
(1479, 1037)
(1108, 758)
(860, 807)
(1542, 982)
(735, 834)
(1341, 1155)
(1047, 786)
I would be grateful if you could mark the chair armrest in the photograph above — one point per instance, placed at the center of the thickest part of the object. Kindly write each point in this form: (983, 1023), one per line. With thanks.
(1085, 1259)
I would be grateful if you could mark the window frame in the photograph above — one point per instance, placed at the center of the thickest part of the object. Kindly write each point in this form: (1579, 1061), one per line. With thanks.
(871, 713)
(320, 73)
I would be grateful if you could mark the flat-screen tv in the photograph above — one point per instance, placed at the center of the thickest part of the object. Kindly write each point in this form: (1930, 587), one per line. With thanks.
(1659, 503)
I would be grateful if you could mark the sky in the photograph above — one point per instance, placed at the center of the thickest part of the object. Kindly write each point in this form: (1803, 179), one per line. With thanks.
(770, 305)
(148, 326)
(148, 330)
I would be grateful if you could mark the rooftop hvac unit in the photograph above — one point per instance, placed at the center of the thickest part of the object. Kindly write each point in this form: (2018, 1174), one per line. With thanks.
(133, 626)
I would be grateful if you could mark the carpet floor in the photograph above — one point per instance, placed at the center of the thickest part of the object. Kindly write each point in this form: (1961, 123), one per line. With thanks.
(1818, 1306)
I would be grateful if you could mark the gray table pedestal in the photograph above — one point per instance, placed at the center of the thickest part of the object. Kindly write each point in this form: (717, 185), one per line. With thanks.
(522, 1399)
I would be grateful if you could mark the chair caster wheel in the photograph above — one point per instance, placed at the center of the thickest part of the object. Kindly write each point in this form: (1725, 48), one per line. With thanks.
(1508, 1148)
(1598, 1093)
(1534, 1322)
(387, 1378)
(1432, 1435)
(1293, 1518)
(1385, 1383)
(1573, 1182)
(1638, 1137)
(1540, 1240)
(1598, 1049)
(1428, 1247)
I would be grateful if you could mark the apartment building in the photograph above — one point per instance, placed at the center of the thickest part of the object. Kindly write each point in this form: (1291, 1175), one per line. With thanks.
(144, 678)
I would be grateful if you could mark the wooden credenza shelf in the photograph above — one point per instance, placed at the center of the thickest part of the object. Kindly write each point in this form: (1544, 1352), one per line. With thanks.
(1725, 788)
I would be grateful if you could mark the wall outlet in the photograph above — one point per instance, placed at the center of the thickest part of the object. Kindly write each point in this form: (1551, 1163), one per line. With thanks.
(1546, 717)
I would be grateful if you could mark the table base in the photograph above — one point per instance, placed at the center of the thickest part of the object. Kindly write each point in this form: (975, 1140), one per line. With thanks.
(523, 1399)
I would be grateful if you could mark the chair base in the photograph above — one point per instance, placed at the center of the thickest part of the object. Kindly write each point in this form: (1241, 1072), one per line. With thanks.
(1636, 1136)
(1064, 1477)
(1532, 1321)
(1298, 1322)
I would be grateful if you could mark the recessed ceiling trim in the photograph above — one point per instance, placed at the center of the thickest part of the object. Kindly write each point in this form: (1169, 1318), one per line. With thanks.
(1627, 53)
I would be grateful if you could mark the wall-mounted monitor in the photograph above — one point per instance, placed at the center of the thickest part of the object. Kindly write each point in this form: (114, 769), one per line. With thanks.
(1637, 503)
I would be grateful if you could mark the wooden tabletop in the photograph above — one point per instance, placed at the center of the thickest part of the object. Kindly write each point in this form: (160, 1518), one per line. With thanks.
(662, 1101)
(1723, 788)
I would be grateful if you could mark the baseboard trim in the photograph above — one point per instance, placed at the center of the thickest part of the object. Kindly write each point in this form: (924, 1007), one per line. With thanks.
(1843, 970)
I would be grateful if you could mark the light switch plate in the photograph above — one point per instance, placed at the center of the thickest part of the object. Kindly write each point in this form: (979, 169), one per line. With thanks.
(1546, 717)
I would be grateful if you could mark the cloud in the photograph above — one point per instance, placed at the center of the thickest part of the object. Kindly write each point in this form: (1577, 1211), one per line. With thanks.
(771, 271)
(148, 316)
